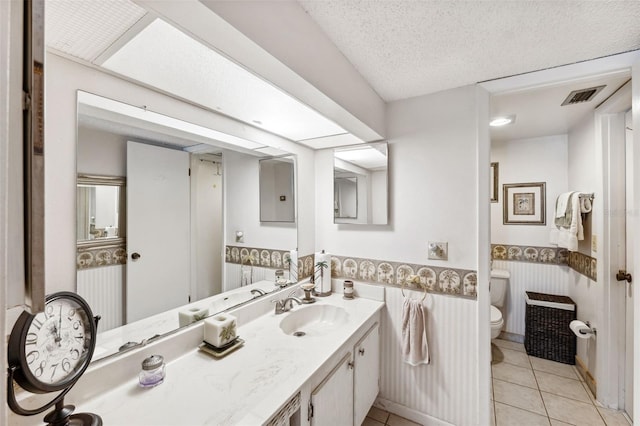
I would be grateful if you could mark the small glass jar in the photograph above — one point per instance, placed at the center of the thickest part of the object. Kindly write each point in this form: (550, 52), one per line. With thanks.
(153, 371)
(348, 289)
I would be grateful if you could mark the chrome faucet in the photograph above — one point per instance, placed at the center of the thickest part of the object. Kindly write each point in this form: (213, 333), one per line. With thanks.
(258, 292)
(286, 304)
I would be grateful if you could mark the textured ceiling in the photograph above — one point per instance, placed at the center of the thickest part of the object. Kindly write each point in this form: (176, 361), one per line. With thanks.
(410, 48)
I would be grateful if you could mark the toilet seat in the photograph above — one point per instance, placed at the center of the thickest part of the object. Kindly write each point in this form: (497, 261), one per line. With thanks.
(496, 322)
(496, 316)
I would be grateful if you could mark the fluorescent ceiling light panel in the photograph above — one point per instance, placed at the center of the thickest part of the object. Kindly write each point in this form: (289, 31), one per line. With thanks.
(85, 29)
(163, 120)
(166, 58)
(366, 157)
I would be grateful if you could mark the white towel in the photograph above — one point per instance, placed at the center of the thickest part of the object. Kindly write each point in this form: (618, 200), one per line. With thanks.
(568, 237)
(415, 350)
(561, 203)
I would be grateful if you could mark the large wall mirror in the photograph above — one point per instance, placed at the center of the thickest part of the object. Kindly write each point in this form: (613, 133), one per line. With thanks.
(360, 184)
(158, 211)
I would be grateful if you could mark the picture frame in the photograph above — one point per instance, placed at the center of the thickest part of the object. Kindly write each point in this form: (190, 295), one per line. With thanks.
(524, 203)
(493, 176)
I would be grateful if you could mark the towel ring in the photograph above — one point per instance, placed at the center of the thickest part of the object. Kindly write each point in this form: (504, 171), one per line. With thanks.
(424, 296)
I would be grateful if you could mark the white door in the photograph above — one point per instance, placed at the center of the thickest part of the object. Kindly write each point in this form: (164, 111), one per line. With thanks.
(628, 385)
(332, 400)
(157, 230)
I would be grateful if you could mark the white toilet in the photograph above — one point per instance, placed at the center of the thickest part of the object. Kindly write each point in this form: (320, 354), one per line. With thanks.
(498, 290)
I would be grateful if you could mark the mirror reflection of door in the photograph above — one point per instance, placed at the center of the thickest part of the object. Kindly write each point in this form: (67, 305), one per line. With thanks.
(158, 243)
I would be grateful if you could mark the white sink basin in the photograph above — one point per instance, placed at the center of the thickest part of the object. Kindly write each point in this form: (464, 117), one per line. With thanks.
(313, 320)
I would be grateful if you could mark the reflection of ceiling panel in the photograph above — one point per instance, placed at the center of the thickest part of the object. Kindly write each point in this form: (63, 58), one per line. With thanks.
(85, 29)
(366, 157)
(164, 57)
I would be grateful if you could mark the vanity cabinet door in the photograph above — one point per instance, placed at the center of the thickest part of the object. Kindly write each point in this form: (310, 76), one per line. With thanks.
(332, 400)
(366, 373)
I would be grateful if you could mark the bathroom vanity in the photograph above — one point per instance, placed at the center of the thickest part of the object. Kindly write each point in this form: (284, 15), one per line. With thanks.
(329, 375)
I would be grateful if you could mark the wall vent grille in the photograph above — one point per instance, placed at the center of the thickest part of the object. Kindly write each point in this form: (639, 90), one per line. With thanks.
(582, 95)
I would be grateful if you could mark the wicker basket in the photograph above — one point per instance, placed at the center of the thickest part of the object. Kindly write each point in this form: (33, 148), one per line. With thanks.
(547, 333)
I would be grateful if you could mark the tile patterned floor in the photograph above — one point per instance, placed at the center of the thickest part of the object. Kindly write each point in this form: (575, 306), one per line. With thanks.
(378, 417)
(533, 391)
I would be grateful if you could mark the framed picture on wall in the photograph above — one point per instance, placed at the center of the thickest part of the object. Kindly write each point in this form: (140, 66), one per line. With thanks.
(493, 175)
(524, 203)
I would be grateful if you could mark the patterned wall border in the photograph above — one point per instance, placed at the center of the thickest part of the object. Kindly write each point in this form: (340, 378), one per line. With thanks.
(581, 263)
(531, 254)
(96, 257)
(268, 258)
(454, 282)
(584, 264)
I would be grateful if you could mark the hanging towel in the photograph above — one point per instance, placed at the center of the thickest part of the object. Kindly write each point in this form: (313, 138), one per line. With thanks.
(563, 209)
(415, 350)
(568, 236)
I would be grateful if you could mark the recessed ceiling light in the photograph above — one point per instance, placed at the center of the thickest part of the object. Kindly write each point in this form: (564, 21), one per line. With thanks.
(502, 120)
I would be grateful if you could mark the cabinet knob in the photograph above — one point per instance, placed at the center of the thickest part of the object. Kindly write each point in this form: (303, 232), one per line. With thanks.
(135, 256)
(351, 365)
(361, 351)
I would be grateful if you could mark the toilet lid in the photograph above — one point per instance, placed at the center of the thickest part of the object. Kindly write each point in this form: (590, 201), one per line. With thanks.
(496, 315)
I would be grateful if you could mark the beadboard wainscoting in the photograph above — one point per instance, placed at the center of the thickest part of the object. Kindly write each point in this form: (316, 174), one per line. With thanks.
(103, 289)
(537, 277)
(446, 387)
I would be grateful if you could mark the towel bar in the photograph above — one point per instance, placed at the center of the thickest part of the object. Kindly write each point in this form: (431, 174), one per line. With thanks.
(416, 280)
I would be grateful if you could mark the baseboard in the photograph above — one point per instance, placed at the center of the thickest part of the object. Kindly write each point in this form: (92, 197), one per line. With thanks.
(586, 376)
(512, 337)
(408, 413)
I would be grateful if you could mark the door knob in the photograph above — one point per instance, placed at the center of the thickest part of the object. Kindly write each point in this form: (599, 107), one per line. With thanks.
(622, 275)
(135, 256)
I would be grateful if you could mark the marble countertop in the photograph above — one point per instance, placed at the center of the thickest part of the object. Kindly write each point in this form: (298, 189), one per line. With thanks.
(246, 387)
(109, 341)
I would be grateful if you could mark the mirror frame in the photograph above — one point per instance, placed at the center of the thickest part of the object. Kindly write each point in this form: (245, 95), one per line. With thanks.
(104, 181)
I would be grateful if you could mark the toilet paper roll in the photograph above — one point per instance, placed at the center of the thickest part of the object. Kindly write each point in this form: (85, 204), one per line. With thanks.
(191, 315)
(293, 266)
(580, 329)
(219, 329)
(322, 279)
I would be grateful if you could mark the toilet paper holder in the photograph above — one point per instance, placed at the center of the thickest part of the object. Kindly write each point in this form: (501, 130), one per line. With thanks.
(591, 330)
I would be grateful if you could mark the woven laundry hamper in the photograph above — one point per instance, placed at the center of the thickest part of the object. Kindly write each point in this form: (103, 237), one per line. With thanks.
(547, 334)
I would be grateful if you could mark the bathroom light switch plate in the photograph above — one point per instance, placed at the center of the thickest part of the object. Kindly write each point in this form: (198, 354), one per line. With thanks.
(438, 251)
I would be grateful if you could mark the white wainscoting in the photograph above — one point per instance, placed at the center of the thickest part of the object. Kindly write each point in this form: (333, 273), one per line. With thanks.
(540, 278)
(103, 289)
(233, 275)
(444, 391)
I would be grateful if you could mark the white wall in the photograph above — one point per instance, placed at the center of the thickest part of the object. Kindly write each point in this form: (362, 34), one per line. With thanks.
(64, 78)
(541, 159)
(101, 153)
(583, 176)
(432, 163)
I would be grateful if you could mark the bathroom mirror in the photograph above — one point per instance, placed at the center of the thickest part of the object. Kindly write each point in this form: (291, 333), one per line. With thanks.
(277, 189)
(360, 184)
(178, 257)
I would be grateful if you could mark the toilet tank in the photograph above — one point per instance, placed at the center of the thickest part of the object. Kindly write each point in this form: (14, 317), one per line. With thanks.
(498, 290)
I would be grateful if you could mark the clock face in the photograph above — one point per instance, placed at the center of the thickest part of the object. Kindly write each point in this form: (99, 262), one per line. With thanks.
(54, 347)
(56, 344)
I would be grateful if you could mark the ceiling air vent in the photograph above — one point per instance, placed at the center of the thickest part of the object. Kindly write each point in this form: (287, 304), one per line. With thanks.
(582, 95)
